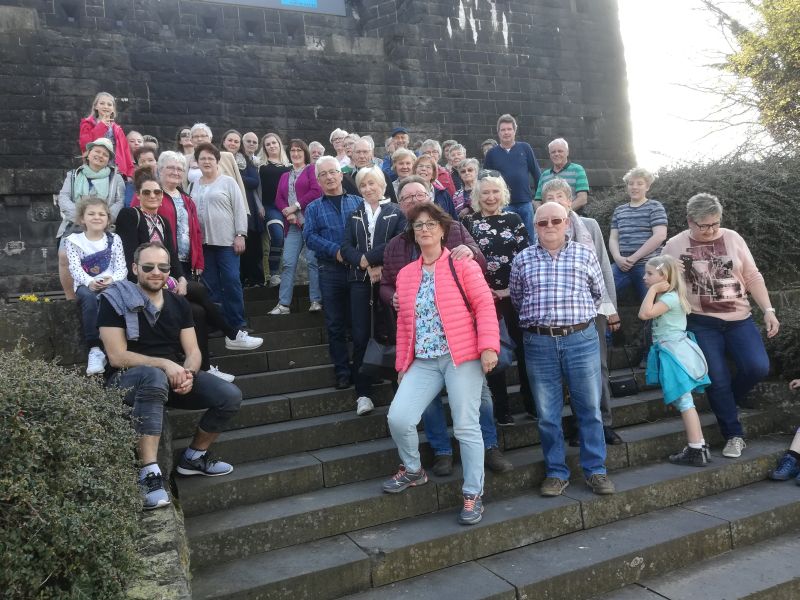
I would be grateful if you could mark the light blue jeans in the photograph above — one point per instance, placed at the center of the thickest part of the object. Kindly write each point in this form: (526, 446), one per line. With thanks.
(423, 380)
(292, 246)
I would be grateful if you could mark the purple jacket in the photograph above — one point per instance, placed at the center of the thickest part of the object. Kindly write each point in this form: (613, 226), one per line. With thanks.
(306, 188)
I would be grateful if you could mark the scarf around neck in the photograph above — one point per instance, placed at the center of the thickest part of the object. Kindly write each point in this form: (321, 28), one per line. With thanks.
(91, 183)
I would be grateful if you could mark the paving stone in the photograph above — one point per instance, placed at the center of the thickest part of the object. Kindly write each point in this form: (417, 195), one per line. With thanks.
(320, 570)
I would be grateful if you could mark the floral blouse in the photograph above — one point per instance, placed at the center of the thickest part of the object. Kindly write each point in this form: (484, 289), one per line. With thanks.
(500, 238)
(430, 341)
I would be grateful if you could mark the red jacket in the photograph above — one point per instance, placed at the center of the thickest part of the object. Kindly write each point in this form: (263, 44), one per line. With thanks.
(443, 176)
(92, 129)
(463, 340)
(306, 187)
(167, 211)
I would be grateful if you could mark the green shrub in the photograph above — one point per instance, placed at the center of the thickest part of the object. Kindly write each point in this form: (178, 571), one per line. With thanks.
(784, 348)
(69, 505)
(758, 199)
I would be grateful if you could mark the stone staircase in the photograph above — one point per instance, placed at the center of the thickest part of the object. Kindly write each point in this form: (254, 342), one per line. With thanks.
(303, 516)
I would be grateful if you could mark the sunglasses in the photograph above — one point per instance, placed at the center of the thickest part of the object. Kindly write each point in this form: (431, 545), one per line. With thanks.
(151, 193)
(148, 268)
(544, 222)
(186, 134)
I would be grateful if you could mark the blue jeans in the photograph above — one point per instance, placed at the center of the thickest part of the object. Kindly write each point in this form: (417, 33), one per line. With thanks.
(221, 277)
(435, 424)
(149, 391)
(741, 341)
(88, 302)
(423, 380)
(292, 246)
(525, 211)
(635, 276)
(274, 219)
(576, 358)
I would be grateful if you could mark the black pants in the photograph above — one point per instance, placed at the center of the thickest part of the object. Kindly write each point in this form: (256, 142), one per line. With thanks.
(497, 381)
(207, 316)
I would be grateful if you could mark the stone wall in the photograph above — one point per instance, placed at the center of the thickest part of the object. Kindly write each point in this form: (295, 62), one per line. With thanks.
(443, 68)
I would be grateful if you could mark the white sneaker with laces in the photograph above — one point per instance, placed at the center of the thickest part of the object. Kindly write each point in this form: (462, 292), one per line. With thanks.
(315, 306)
(364, 406)
(243, 341)
(733, 447)
(274, 281)
(213, 370)
(280, 309)
(96, 363)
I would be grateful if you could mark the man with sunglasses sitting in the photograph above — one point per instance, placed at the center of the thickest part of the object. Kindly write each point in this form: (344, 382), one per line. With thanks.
(152, 352)
(556, 286)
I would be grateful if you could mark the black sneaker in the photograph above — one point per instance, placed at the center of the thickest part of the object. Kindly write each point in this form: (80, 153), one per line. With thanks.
(690, 457)
(495, 461)
(203, 465)
(612, 437)
(443, 465)
(505, 420)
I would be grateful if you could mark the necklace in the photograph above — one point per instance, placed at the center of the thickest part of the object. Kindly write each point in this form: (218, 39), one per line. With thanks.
(428, 264)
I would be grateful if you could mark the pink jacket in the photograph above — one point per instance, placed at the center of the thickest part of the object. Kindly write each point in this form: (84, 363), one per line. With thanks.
(464, 341)
(92, 129)
(306, 188)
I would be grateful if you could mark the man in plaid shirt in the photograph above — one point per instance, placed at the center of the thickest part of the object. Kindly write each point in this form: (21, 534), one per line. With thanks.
(556, 286)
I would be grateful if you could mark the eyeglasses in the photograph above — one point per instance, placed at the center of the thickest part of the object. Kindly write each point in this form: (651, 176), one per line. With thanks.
(545, 222)
(174, 168)
(429, 225)
(488, 173)
(148, 268)
(323, 174)
(707, 227)
(419, 197)
(151, 193)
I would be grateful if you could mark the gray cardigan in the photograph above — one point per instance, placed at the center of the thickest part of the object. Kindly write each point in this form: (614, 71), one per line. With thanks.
(66, 201)
(222, 210)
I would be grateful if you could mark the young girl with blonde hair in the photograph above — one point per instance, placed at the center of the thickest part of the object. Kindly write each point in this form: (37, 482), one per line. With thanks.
(675, 361)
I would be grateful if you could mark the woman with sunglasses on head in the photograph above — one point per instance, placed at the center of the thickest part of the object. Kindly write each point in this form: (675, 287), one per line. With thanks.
(427, 168)
(274, 163)
(145, 223)
(183, 141)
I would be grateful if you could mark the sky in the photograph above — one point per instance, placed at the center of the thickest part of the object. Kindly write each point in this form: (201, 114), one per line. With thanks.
(670, 44)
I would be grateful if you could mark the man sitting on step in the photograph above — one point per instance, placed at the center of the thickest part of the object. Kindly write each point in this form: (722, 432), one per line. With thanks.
(153, 353)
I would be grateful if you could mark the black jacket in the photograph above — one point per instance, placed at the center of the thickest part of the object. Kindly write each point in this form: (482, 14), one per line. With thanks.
(131, 227)
(391, 222)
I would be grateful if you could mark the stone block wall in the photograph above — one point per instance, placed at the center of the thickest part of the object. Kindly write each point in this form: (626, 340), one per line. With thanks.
(442, 68)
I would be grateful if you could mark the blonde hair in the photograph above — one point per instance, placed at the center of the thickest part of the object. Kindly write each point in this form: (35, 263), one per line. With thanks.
(505, 194)
(262, 154)
(84, 202)
(375, 173)
(668, 267)
(93, 111)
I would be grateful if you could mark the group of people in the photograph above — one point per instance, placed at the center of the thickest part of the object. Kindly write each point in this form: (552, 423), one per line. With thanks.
(439, 259)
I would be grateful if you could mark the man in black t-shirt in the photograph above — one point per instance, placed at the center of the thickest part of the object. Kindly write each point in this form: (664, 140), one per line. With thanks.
(161, 365)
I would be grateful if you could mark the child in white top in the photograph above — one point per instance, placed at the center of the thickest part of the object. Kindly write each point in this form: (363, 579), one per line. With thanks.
(675, 361)
(96, 260)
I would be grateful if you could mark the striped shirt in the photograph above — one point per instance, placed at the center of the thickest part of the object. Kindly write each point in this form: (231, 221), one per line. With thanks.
(556, 291)
(572, 173)
(634, 225)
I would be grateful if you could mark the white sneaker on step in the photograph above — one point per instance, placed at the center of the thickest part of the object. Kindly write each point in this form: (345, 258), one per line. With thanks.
(364, 405)
(213, 370)
(243, 341)
(96, 362)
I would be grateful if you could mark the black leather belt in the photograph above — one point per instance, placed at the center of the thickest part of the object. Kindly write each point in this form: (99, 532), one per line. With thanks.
(558, 331)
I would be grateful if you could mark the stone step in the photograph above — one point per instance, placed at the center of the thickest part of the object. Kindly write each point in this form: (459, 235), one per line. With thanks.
(260, 527)
(271, 293)
(309, 336)
(766, 570)
(599, 560)
(421, 544)
(286, 381)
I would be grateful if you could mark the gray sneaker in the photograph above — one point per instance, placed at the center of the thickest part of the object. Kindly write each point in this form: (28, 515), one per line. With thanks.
(404, 479)
(154, 495)
(600, 484)
(733, 447)
(553, 486)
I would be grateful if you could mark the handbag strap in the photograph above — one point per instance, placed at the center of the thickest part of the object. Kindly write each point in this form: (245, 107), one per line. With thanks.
(460, 289)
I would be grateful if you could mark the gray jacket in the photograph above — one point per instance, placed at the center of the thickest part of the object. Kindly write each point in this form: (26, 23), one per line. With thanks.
(66, 199)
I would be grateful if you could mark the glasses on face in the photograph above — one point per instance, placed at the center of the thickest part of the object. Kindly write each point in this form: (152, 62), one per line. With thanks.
(174, 168)
(323, 174)
(429, 225)
(155, 193)
(545, 222)
(148, 267)
(419, 197)
(707, 227)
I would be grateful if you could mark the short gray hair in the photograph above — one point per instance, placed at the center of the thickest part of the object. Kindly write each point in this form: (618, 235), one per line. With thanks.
(337, 133)
(467, 162)
(373, 171)
(368, 140)
(482, 181)
(555, 185)
(326, 159)
(204, 127)
(168, 156)
(314, 145)
(561, 141)
(403, 153)
(702, 205)
(430, 144)
(457, 146)
(412, 179)
(639, 173)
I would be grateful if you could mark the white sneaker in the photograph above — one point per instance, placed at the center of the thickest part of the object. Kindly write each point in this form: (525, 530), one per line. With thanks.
(274, 281)
(315, 306)
(364, 406)
(733, 447)
(280, 309)
(243, 341)
(96, 363)
(213, 370)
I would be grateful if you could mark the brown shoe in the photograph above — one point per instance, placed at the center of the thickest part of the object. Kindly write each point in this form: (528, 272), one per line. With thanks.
(553, 486)
(600, 484)
(443, 465)
(495, 461)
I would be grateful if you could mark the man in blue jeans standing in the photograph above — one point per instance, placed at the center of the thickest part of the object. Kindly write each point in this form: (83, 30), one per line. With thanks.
(557, 285)
(153, 353)
(517, 164)
(323, 232)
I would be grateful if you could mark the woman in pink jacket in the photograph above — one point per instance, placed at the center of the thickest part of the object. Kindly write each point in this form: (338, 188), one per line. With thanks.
(447, 334)
(101, 123)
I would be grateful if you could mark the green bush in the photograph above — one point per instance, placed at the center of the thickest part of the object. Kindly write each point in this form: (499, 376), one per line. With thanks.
(758, 199)
(784, 348)
(69, 505)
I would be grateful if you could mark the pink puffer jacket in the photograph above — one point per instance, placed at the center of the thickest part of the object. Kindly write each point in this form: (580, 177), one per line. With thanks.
(462, 339)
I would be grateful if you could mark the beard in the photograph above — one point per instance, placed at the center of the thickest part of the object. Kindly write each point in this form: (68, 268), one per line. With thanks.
(151, 285)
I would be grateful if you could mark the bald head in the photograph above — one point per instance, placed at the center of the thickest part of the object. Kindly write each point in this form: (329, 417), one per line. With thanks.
(551, 223)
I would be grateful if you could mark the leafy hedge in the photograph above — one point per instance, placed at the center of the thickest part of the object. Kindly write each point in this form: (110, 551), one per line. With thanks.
(784, 348)
(69, 505)
(759, 201)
